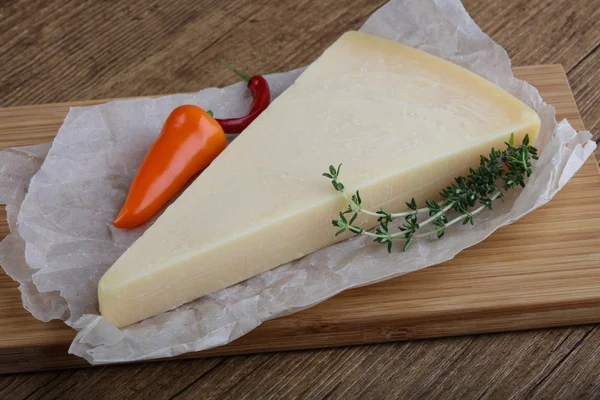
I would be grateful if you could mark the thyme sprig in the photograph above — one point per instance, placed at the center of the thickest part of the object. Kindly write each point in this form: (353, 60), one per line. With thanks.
(498, 172)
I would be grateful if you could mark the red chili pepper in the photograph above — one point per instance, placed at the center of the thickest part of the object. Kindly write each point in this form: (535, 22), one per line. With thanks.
(261, 97)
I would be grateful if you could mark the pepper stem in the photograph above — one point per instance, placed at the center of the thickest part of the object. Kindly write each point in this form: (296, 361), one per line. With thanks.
(239, 73)
(209, 112)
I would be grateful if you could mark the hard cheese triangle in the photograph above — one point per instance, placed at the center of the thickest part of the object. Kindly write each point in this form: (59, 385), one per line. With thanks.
(402, 122)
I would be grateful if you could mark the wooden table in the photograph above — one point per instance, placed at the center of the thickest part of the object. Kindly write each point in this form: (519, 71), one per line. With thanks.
(77, 50)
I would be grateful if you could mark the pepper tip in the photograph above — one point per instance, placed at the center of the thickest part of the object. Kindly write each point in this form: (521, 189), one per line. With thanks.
(121, 220)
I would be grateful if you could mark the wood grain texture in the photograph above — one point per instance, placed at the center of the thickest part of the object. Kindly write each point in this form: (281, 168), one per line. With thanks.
(162, 47)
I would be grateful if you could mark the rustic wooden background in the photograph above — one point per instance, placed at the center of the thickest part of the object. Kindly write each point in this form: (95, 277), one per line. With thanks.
(61, 50)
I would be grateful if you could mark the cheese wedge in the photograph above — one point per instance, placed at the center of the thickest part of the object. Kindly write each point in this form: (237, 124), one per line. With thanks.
(402, 122)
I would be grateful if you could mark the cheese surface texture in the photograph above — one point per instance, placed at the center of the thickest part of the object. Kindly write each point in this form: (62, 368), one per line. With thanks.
(402, 122)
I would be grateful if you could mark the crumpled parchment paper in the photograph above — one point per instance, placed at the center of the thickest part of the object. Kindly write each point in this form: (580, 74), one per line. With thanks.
(62, 240)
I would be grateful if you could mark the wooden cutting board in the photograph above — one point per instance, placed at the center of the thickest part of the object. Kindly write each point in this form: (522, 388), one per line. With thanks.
(542, 271)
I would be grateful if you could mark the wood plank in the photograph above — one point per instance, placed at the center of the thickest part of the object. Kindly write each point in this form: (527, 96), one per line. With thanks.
(151, 47)
(585, 80)
(555, 286)
(459, 368)
(528, 38)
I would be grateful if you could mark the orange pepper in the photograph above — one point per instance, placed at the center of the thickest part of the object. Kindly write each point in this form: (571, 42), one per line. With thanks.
(189, 141)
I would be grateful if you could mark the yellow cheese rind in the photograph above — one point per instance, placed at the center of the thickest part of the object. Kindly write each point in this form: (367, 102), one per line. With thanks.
(403, 122)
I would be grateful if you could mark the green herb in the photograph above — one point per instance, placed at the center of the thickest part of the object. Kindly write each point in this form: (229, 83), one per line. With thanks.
(497, 173)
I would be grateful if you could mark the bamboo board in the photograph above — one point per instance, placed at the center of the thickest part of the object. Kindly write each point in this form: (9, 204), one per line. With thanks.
(524, 276)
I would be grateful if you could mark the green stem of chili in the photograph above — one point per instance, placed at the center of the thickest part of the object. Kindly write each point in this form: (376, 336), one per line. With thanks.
(236, 71)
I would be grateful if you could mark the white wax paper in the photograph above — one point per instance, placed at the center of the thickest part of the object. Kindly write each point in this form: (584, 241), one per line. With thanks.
(65, 240)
